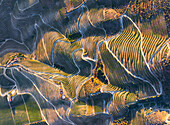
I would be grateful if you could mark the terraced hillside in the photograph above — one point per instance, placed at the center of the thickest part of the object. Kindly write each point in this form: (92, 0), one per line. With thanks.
(84, 62)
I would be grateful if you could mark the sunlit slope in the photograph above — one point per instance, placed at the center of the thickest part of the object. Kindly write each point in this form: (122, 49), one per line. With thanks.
(148, 11)
(133, 54)
(119, 77)
(39, 67)
(74, 82)
(72, 85)
(69, 81)
(45, 46)
(127, 49)
(60, 53)
(156, 66)
(132, 63)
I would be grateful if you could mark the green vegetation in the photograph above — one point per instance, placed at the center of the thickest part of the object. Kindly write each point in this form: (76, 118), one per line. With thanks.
(5, 112)
(33, 110)
(79, 108)
(98, 72)
(20, 114)
(92, 86)
(74, 36)
(130, 98)
(70, 84)
(97, 109)
(6, 117)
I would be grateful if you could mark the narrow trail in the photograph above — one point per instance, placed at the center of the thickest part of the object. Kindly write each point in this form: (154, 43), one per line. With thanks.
(167, 119)
(52, 52)
(93, 106)
(6, 50)
(37, 72)
(45, 50)
(104, 103)
(1, 2)
(160, 84)
(106, 41)
(42, 114)
(129, 71)
(6, 93)
(83, 82)
(80, 85)
(37, 1)
(19, 42)
(4, 73)
(26, 108)
(12, 113)
(42, 40)
(100, 42)
(75, 61)
(36, 40)
(43, 97)
(157, 52)
(18, 93)
(12, 86)
(83, 2)
(40, 15)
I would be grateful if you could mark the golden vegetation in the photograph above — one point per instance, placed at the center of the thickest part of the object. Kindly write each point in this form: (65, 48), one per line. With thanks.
(40, 67)
(121, 100)
(110, 14)
(158, 117)
(122, 121)
(92, 86)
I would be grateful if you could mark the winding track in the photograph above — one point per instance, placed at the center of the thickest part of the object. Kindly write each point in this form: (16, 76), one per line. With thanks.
(12, 113)
(106, 41)
(26, 108)
(41, 96)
